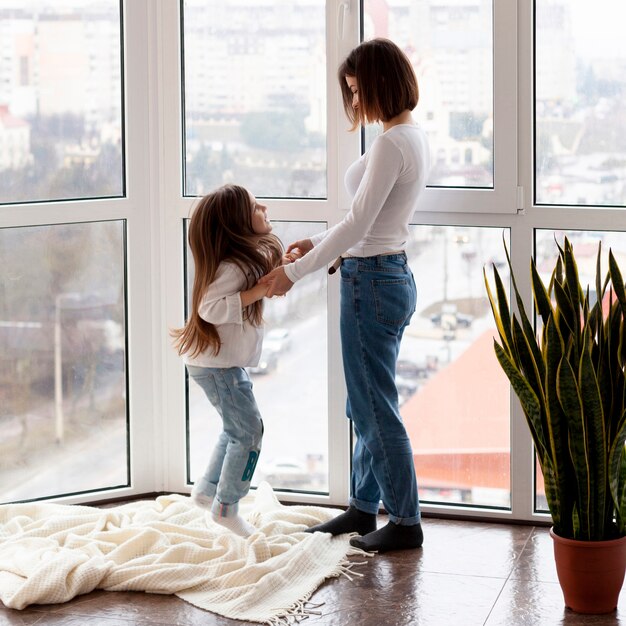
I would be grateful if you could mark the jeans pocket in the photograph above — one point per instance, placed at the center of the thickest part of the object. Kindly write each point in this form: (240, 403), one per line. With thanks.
(206, 381)
(393, 300)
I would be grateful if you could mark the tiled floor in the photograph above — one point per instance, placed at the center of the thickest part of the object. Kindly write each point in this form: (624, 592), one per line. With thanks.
(466, 574)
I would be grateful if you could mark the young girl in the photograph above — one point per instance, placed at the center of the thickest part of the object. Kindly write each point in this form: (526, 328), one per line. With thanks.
(232, 245)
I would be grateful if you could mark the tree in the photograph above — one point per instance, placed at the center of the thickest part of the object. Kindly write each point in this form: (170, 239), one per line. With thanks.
(274, 130)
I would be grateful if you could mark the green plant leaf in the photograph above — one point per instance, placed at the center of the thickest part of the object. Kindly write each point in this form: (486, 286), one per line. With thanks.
(616, 280)
(621, 348)
(528, 362)
(599, 290)
(572, 284)
(617, 479)
(529, 331)
(552, 494)
(558, 270)
(565, 312)
(620, 513)
(556, 424)
(559, 248)
(495, 310)
(612, 328)
(525, 321)
(569, 397)
(503, 308)
(527, 397)
(540, 295)
(596, 438)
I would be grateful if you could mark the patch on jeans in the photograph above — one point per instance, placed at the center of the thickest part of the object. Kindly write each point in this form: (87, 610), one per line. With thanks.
(253, 457)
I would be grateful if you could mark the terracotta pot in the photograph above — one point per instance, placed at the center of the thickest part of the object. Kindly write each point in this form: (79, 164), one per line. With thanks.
(591, 573)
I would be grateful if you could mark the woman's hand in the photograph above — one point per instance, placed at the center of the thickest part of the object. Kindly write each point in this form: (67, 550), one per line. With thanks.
(290, 257)
(277, 282)
(300, 248)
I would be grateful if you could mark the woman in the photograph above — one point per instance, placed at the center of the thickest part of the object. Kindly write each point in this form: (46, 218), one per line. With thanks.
(378, 292)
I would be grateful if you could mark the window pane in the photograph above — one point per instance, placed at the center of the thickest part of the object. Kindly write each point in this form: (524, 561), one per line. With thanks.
(580, 115)
(585, 244)
(60, 103)
(63, 407)
(450, 45)
(255, 97)
(461, 444)
(290, 385)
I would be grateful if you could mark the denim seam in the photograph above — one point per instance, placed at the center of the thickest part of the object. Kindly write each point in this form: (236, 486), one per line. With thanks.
(373, 409)
(235, 413)
(363, 268)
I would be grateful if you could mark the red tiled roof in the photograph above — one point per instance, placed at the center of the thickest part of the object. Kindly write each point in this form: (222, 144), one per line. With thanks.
(458, 422)
(464, 406)
(10, 121)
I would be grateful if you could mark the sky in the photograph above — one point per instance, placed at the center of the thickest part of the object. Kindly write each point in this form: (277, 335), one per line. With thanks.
(598, 24)
(598, 27)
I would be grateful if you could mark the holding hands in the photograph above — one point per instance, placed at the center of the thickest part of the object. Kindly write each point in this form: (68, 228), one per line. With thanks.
(276, 281)
(299, 248)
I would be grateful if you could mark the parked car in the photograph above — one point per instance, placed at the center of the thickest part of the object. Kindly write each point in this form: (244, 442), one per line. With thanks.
(406, 388)
(449, 318)
(267, 363)
(286, 473)
(277, 339)
(414, 370)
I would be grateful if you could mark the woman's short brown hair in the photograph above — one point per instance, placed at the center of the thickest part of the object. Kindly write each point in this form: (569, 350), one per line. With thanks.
(385, 79)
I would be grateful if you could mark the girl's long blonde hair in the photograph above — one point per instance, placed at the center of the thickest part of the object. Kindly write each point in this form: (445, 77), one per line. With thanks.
(221, 230)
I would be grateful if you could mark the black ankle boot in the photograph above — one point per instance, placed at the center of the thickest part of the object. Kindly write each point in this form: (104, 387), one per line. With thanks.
(350, 521)
(390, 537)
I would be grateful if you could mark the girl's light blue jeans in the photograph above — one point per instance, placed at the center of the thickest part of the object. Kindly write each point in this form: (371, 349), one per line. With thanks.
(232, 464)
(378, 298)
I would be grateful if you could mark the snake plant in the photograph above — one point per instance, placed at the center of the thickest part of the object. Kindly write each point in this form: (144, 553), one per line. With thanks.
(569, 379)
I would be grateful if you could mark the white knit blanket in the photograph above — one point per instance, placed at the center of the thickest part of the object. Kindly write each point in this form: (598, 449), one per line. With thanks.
(50, 553)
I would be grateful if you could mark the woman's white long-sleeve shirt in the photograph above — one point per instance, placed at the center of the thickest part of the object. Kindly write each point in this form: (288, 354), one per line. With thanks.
(221, 306)
(385, 184)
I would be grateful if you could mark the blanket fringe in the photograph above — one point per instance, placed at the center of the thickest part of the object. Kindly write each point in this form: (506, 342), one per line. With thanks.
(300, 611)
(353, 551)
(303, 609)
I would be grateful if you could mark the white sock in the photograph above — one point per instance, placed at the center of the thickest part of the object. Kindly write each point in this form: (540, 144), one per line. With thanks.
(236, 524)
(200, 499)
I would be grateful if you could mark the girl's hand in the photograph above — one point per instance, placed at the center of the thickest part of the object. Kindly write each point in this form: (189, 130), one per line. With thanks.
(276, 282)
(300, 248)
(289, 258)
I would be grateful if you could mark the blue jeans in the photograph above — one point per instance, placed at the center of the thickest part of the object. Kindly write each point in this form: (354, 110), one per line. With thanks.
(230, 470)
(378, 298)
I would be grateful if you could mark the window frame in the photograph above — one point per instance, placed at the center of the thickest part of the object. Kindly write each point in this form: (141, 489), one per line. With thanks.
(154, 209)
(134, 209)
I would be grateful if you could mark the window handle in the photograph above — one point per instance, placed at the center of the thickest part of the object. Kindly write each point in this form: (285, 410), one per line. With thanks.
(343, 10)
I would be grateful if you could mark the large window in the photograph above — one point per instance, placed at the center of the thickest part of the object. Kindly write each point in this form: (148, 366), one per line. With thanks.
(61, 100)
(580, 115)
(255, 97)
(115, 115)
(63, 405)
(461, 444)
(450, 45)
